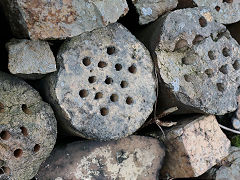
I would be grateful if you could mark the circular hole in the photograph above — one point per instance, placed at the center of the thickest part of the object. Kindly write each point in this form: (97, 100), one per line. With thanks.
(198, 39)
(5, 135)
(129, 100)
(236, 65)
(1, 108)
(114, 97)
(224, 69)
(24, 131)
(109, 80)
(86, 61)
(220, 87)
(124, 84)
(227, 1)
(211, 55)
(111, 50)
(26, 110)
(118, 67)
(102, 64)
(226, 52)
(187, 60)
(182, 43)
(132, 69)
(36, 148)
(83, 93)
(18, 153)
(92, 79)
(187, 78)
(202, 21)
(6, 170)
(98, 95)
(217, 8)
(209, 72)
(104, 111)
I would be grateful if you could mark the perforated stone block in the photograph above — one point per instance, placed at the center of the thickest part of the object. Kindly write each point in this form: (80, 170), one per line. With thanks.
(27, 129)
(104, 88)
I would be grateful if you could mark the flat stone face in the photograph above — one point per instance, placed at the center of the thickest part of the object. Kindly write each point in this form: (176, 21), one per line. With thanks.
(44, 19)
(27, 129)
(150, 10)
(193, 147)
(134, 157)
(30, 59)
(104, 88)
(224, 11)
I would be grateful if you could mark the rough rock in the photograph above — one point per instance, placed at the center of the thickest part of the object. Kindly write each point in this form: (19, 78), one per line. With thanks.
(44, 19)
(238, 110)
(199, 61)
(104, 88)
(194, 146)
(234, 30)
(134, 157)
(27, 129)
(224, 11)
(150, 10)
(30, 59)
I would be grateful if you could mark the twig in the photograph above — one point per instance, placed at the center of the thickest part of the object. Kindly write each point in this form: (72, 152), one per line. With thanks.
(228, 129)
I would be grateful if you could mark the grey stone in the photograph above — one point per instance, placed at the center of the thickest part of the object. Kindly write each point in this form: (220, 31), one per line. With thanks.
(134, 157)
(30, 59)
(104, 88)
(44, 19)
(198, 61)
(27, 129)
(224, 11)
(150, 10)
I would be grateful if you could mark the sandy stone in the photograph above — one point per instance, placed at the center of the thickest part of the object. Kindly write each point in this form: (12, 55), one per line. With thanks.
(30, 59)
(44, 19)
(150, 10)
(104, 88)
(194, 146)
(130, 158)
(27, 129)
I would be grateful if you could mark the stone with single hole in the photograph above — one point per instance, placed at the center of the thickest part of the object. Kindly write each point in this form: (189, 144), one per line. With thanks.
(27, 129)
(195, 76)
(30, 59)
(193, 146)
(88, 109)
(59, 19)
(135, 157)
(150, 10)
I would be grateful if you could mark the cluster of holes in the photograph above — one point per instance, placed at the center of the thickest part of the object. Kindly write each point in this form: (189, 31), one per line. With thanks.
(5, 170)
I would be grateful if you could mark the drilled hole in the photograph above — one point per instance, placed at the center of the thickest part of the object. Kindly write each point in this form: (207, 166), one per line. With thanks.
(209, 72)
(187, 60)
(18, 153)
(24, 131)
(98, 95)
(86, 61)
(227, 1)
(124, 84)
(211, 55)
(104, 111)
(109, 80)
(5, 135)
(132, 69)
(26, 110)
(118, 67)
(83, 93)
(198, 39)
(182, 43)
(217, 8)
(224, 69)
(187, 78)
(36, 148)
(92, 79)
(111, 50)
(236, 65)
(114, 97)
(129, 100)
(102, 64)
(202, 21)
(1, 108)
(226, 52)
(220, 87)
(6, 170)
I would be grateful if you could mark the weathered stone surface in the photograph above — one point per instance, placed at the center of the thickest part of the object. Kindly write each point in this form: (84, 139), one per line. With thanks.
(238, 110)
(44, 19)
(150, 10)
(104, 88)
(199, 62)
(27, 129)
(135, 157)
(193, 147)
(30, 59)
(224, 11)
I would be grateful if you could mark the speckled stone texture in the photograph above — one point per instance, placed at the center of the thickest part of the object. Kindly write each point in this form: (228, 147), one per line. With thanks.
(224, 11)
(30, 59)
(104, 88)
(44, 19)
(194, 146)
(27, 129)
(199, 62)
(130, 158)
(150, 10)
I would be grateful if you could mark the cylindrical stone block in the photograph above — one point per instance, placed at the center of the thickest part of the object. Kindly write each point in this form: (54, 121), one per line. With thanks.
(27, 129)
(104, 88)
(198, 59)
